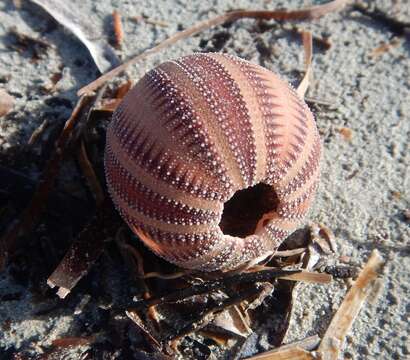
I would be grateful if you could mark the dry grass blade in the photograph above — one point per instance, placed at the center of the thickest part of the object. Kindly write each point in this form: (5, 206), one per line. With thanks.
(6, 102)
(312, 277)
(290, 15)
(343, 319)
(305, 276)
(78, 23)
(295, 353)
(89, 174)
(286, 351)
(308, 47)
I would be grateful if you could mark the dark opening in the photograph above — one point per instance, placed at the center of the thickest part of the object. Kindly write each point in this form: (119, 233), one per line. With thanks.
(243, 211)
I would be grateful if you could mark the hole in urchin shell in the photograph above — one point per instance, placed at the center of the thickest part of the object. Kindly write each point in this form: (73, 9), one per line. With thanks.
(245, 208)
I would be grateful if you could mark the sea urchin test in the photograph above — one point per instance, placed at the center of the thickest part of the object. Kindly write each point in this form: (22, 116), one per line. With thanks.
(212, 161)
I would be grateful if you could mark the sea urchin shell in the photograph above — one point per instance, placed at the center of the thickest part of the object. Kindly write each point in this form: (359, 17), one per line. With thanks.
(212, 161)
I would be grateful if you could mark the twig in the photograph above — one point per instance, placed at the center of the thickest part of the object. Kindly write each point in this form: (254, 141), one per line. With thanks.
(89, 174)
(343, 319)
(313, 12)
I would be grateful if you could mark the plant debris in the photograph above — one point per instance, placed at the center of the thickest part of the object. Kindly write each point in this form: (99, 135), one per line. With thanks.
(385, 47)
(322, 236)
(341, 272)
(6, 102)
(65, 14)
(346, 133)
(298, 348)
(118, 31)
(342, 321)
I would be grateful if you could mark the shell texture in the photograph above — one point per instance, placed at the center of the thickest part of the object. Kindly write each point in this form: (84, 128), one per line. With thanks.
(191, 135)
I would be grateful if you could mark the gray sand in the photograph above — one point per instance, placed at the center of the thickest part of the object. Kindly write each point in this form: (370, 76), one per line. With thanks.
(365, 182)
